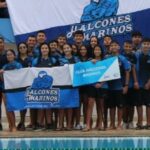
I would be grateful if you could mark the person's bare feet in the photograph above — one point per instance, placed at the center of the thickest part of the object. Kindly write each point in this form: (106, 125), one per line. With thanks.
(111, 128)
(14, 129)
(86, 130)
(119, 127)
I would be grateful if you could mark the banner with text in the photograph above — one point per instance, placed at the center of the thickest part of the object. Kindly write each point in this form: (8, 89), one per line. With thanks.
(89, 72)
(40, 88)
(95, 17)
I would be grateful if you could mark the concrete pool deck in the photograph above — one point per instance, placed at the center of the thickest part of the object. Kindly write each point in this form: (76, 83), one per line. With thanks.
(92, 133)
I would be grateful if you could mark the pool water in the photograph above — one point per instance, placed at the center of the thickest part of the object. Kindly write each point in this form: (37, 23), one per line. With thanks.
(113, 143)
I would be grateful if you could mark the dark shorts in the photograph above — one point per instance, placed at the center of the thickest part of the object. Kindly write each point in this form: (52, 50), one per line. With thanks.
(145, 97)
(83, 90)
(116, 99)
(96, 92)
(138, 97)
(133, 98)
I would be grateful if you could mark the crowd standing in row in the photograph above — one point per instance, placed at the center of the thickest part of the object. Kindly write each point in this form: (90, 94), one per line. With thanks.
(131, 90)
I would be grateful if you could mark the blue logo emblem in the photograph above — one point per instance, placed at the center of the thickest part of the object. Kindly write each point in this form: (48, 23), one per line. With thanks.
(43, 81)
(42, 91)
(99, 9)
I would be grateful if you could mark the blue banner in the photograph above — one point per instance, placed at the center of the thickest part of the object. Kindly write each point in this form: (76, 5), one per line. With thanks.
(68, 98)
(89, 72)
(42, 93)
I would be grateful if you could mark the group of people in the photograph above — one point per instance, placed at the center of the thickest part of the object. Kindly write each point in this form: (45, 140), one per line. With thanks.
(120, 96)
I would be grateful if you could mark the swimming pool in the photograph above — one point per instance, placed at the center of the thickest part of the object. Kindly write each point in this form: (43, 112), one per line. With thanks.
(113, 143)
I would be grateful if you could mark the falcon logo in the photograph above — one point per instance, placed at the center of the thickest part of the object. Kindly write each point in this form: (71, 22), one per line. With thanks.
(99, 9)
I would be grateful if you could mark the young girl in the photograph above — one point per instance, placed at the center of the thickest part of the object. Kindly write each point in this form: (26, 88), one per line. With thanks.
(74, 50)
(96, 92)
(44, 60)
(11, 65)
(83, 56)
(26, 61)
(67, 59)
(93, 42)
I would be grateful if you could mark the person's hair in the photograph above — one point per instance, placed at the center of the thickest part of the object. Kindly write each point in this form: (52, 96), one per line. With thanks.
(41, 31)
(68, 45)
(136, 33)
(115, 42)
(74, 45)
(102, 55)
(146, 40)
(62, 35)
(32, 36)
(12, 51)
(128, 42)
(53, 41)
(19, 46)
(1, 38)
(78, 32)
(107, 36)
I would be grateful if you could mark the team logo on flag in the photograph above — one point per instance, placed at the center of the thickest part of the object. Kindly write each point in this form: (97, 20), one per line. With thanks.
(99, 18)
(41, 90)
(99, 9)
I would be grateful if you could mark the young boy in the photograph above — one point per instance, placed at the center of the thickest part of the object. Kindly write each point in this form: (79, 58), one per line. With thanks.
(106, 42)
(78, 39)
(118, 87)
(62, 40)
(53, 45)
(106, 51)
(40, 38)
(143, 69)
(132, 95)
(31, 42)
(136, 40)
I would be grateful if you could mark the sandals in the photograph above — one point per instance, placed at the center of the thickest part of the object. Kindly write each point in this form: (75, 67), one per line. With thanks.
(68, 129)
(147, 127)
(59, 129)
(101, 129)
(139, 127)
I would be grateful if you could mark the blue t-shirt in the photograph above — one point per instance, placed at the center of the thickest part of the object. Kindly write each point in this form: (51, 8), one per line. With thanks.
(143, 68)
(41, 62)
(12, 66)
(131, 57)
(56, 55)
(124, 66)
(27, 62)
(72, 60)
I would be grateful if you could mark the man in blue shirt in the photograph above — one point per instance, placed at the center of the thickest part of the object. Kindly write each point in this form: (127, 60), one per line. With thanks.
(136, 40)
(143, 71)
(132, 95)
(118, 87)
(41, 38)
